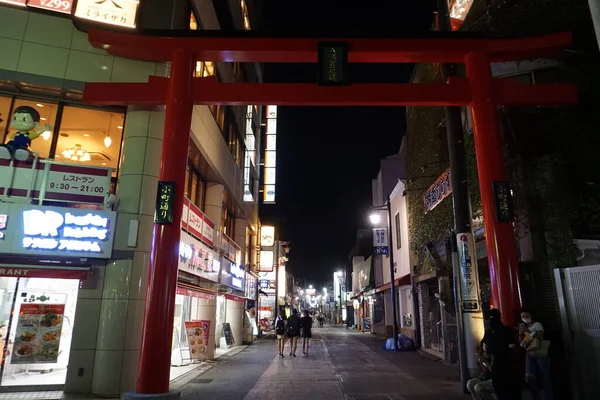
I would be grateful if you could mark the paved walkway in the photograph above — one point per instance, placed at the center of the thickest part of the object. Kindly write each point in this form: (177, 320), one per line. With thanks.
(342, 365)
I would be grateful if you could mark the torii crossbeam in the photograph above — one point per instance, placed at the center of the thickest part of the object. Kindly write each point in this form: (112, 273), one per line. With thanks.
(180, 92)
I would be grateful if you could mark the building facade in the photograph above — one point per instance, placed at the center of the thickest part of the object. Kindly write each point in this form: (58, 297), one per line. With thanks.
(93, 173)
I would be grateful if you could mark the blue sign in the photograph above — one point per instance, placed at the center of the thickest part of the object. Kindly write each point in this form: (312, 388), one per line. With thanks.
(263, 283)
(381, 250)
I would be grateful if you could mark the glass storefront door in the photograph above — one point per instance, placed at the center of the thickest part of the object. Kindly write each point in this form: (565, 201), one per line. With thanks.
(36, 325)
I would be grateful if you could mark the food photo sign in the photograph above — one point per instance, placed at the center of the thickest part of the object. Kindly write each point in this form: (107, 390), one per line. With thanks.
(38, 333)
(197, 333)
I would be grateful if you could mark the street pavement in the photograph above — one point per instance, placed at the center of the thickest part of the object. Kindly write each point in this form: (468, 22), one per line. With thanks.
(342, 365)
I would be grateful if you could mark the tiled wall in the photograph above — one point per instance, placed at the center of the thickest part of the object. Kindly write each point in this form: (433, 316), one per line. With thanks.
(50, 46)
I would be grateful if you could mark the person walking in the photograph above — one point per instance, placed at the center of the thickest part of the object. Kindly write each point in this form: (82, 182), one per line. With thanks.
(293, 331)
(306, 331)
(280, 331)
(537, 361)
(498, 344)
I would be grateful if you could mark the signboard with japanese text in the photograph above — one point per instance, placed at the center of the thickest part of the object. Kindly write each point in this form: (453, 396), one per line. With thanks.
(267, 261)
(267, 236)
(503, 202)
(333, 64)
(38, 333)
(195, 222)
(380, 241)
(165, 202)
(61, 6)
(197, 259)
(197, 333)
(73, 182)
(441, 188)
(232, 275)
(57, 231)
(114, 12)
(469, 280)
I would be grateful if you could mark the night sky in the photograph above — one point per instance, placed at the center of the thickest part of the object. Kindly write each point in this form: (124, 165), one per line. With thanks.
(327, 156)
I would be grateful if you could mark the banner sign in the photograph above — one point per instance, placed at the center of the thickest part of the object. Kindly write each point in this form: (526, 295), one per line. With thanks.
(333, 64)
(197, 259)
(380, 241)
(165, 200)
(441, 188)
(38, 333)
(469, 280)
(503, 201)
(196, 223)
(57, 231)
(197, 333)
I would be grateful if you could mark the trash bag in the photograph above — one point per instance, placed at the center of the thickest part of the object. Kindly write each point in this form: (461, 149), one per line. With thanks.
(404, 343)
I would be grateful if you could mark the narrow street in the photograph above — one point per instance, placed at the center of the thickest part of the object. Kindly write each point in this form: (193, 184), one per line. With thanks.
(342, 365)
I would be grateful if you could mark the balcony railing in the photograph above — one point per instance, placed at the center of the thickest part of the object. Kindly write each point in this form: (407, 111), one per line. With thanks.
(231, 250)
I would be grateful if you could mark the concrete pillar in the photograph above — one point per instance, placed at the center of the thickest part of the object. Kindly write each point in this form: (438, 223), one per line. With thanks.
(240, 237)
(213, 207)
(123, 293)
(207, 310)
(235, 317)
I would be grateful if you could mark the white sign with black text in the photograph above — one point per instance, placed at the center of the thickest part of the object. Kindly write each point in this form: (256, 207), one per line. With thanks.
(469, 280)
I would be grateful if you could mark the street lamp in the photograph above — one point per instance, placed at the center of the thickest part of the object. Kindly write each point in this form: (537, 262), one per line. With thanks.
(310, 286)
(375, 221)
(375, 218)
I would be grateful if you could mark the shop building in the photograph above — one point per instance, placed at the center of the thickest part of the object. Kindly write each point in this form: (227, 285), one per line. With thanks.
(115, 154)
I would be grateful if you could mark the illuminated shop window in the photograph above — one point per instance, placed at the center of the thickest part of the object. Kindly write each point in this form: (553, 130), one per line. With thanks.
(47, 113)
(245, 15)
(90, 137)
(193, 22)
(204, 68)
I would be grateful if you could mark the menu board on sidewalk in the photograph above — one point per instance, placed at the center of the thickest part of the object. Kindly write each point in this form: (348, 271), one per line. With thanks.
(197, 333)
(38, 332)
(228, 334)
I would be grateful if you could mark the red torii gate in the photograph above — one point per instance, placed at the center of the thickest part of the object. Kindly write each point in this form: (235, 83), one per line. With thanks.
(181, 91)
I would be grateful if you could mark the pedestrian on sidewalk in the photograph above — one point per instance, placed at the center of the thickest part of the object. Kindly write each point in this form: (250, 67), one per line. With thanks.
(537, 361)
(498, 344)
(481, 387)
(306, 331)
(280, 331)
(293, 331)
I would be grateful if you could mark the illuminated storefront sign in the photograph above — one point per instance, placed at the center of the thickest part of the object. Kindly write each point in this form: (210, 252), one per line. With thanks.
(270, 156)
(114, 12)
(197, 259)
(233, 275)
(250, 160)
(237, 276)
(438, 191)
(196, 223)
(58, 231)
(267, 236)
(267, 259)
(61, 6)
(458, 12)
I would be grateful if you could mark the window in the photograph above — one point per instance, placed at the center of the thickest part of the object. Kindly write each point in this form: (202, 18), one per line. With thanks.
(398, 237)
(47, 114)
(90, 137)
(406, 307)
(245, 15)
(204, 68)
(195, 187)
(227, 222)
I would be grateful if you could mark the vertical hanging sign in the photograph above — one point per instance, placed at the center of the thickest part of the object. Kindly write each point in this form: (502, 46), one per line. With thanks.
(503, 200)
(333, 64)
(165, 199)
(469, 279)
(270, 156)
(380, 241)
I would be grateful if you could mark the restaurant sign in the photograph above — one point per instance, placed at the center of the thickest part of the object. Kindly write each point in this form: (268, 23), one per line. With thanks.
(114, 12)
(197, 259)
(56, 231)
(441, 188)
(196, 223)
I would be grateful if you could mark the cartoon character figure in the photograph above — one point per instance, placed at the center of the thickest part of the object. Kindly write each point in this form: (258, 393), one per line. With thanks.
(25, 120)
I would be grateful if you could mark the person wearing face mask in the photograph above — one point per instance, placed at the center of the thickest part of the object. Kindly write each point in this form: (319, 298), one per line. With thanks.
(498, 343)
(537, 361)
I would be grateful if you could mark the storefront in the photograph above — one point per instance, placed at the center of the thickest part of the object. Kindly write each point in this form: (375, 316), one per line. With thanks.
(266, 300)
(45, 256)
(196, 298)
(233, 280)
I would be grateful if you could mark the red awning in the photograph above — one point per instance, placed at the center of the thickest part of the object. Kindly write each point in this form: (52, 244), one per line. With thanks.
(402, 281)
(235, 298)
(38, 271)
(195, 292)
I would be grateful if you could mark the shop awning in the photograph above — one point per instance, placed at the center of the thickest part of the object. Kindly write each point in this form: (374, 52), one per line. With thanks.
(192, 291)
(234, 298)
(39, 271)
(402, 281)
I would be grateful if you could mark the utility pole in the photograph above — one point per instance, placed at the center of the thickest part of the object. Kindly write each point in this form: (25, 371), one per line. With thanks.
(392, 275)
(467, 292)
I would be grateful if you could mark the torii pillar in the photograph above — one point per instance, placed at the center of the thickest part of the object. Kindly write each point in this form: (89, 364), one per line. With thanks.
(180, 92)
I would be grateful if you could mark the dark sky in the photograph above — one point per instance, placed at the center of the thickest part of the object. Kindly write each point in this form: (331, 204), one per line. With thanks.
(327, 156)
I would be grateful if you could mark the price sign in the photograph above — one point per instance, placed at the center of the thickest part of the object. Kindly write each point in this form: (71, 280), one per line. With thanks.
(61, 6)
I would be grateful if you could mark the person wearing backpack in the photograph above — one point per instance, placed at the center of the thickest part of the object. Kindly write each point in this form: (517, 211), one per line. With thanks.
(293, 331)
(280, 331)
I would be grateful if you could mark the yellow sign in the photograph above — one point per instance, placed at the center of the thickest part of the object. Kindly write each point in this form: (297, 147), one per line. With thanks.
(114, 12)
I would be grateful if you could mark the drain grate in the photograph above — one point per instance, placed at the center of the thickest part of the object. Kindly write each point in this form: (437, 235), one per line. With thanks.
(200, 380)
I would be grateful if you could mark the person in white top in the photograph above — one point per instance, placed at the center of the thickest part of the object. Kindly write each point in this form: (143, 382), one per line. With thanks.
(537, 362)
